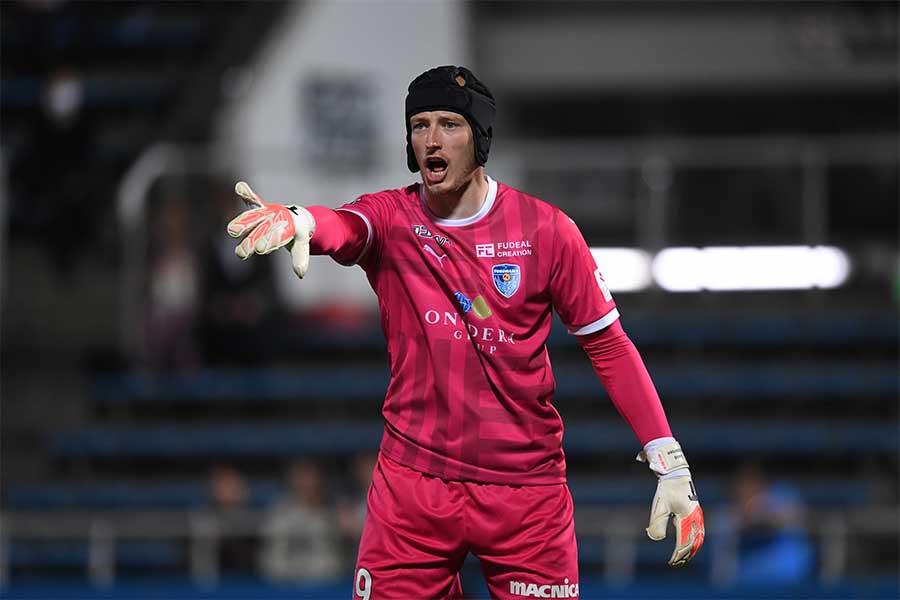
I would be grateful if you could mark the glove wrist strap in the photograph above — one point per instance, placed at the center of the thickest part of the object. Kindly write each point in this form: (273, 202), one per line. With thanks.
(303, 219)
(665, 457)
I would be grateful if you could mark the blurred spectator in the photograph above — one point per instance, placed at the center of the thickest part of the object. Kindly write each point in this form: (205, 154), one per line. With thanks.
(230, 495)
(765, 529)
(301, 542)
(55, 191)
(173, 292)
(351, 510)
(238, 295)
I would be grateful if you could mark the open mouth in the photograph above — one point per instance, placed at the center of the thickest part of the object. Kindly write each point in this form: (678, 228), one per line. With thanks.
(436, 165)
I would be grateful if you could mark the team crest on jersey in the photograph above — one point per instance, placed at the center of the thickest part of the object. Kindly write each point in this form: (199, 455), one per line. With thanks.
(507, 278)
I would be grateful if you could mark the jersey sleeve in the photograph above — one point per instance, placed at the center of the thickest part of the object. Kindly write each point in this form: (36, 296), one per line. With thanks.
(620, 367)
(338, 234)
(376, 210)
(577, 288)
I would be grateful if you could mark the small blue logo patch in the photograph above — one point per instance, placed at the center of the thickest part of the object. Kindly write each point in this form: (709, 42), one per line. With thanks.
(507, 278)
(464, 303)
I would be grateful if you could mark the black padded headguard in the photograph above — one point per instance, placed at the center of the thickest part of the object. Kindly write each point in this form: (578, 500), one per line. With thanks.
(455, 89)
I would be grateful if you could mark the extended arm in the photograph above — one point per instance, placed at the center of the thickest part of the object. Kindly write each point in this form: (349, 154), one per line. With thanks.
(622, 372)
(340, 234)
(304, 231)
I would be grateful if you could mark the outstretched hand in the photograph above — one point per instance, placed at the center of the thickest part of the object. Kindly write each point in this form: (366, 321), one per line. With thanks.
(270, 227)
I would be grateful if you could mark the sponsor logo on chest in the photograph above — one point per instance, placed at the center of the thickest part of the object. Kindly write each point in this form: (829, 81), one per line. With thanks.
(487, 340)
(423, 231)
(504, 249)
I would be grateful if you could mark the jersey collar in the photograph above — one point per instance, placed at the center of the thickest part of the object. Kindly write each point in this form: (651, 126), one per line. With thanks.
(484, 210)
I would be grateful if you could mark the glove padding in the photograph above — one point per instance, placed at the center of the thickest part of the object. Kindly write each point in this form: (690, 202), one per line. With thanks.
(272, 226)
(675, 497)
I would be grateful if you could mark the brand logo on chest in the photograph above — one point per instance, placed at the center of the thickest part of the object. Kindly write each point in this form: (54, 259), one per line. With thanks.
(423, 231)
(504, 249)
(484, 250)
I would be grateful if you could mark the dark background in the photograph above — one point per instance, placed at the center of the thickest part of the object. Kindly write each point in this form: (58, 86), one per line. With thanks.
(145, 377)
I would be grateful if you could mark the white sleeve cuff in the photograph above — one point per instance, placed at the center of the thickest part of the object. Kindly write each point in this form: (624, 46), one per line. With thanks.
(601, 323)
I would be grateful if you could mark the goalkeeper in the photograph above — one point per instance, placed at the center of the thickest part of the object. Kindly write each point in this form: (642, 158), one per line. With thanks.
(466, 271)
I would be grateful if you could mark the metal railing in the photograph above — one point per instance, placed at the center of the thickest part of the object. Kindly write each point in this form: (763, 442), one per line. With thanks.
(620, 529)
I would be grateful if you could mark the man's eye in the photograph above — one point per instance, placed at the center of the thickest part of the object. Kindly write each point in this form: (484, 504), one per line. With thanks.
(451, 124)
(418, 126)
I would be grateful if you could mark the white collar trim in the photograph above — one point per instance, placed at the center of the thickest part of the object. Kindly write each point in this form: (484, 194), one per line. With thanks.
(485, 208)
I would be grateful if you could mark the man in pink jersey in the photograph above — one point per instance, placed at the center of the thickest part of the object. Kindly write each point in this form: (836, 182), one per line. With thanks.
(467, 271)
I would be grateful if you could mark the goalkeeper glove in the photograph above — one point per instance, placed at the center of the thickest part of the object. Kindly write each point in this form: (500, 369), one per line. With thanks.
(272, 226)
(675, 497)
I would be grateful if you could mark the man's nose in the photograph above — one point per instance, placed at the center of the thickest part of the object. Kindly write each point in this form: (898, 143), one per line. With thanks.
(434, 138)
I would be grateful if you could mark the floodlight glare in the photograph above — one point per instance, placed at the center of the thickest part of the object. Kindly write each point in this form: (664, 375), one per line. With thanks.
(745, 268)
(624, 269)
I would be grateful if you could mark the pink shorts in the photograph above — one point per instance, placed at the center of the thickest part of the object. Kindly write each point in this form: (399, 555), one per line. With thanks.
(419, 530)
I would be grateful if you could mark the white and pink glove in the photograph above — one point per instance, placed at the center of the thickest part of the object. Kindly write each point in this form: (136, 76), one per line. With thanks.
(675, 497)
(272, 226)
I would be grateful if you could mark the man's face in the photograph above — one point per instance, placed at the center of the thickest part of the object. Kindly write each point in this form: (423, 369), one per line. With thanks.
(444, 147)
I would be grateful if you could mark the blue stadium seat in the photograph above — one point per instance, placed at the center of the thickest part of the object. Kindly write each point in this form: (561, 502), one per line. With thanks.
(107, 91)
(693, 380)
(74, 553)
(126, 494)
(761, 329)
(586, 490)
(581, 438)
(714, 491)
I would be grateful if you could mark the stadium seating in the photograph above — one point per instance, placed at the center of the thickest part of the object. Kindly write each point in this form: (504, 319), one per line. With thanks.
(803, 384)
(809, 438)
(157, 494)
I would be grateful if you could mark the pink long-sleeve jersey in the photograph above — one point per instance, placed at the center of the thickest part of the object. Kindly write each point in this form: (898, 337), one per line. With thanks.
(466, 311)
